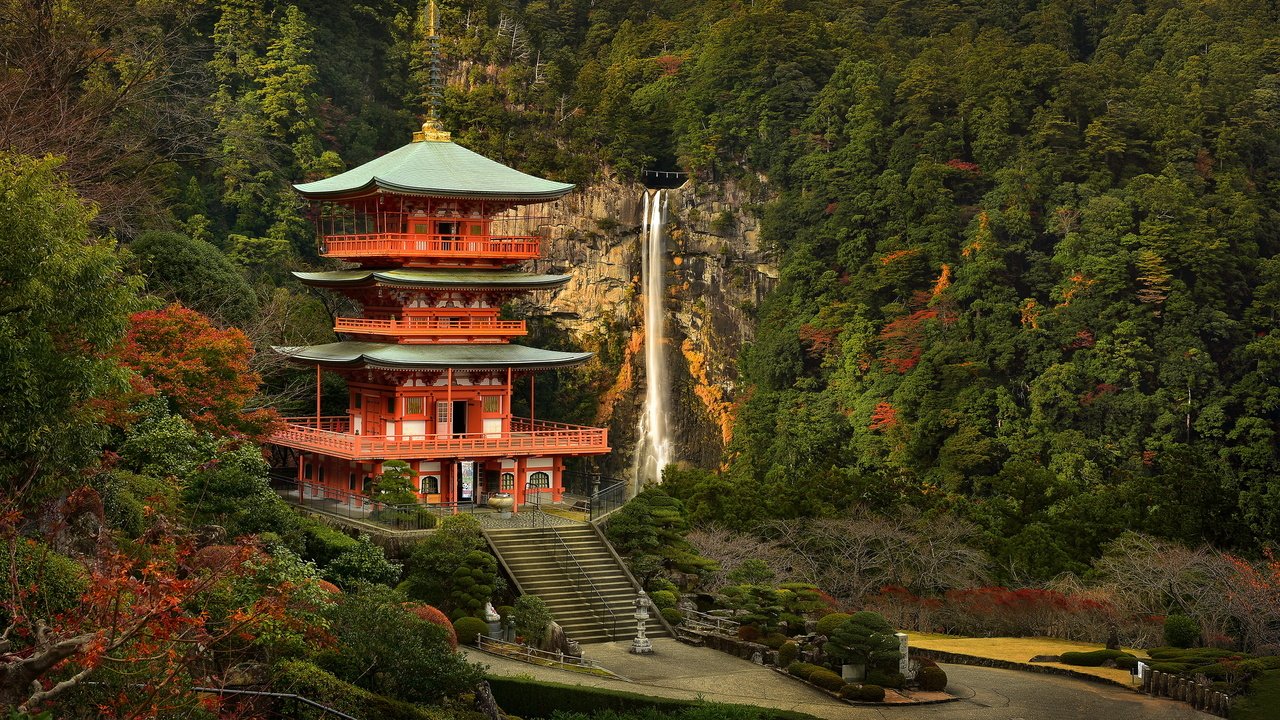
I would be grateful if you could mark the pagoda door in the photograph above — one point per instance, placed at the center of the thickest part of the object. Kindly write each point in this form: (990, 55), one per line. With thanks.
(373, 415)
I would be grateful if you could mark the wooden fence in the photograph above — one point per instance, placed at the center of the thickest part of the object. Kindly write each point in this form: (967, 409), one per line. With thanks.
(1200, 697)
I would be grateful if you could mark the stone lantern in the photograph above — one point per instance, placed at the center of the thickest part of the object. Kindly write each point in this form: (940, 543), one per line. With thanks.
(641, 645)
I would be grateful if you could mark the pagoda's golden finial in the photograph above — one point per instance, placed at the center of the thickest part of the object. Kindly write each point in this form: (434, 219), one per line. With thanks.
(432, 128)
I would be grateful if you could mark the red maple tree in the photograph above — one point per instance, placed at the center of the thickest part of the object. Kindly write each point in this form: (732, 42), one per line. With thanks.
(203, 370)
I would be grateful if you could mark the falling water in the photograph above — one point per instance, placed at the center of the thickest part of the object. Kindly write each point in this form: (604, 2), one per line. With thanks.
(653, 449)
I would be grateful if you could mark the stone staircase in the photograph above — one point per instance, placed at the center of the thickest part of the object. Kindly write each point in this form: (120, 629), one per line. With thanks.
(575, 572)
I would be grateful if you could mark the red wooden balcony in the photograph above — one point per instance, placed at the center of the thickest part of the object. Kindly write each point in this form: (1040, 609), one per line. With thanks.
(331, 436)
(409, 246)
(441, 329)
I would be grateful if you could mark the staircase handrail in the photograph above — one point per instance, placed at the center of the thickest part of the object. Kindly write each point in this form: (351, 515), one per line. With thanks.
(635, 584)
(497, 647)
(613, 618)
(715, 622)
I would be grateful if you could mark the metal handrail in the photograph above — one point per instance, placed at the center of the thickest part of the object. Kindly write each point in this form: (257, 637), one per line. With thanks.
(505, 649)
(714, 622)
(582, 574)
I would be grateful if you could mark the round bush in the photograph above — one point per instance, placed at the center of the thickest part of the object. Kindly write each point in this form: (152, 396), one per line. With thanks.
(435, 617)
(773, 641)
(830, 622)
(870, 693)
(827, 680)
(933, 679)
(748, 633)
(672, 616)
(663, 599)
(468, 628)
(787, 654)
(1181, 631)
(803, 670)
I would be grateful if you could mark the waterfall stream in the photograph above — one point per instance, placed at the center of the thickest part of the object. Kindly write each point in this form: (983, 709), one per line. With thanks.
(653, 448)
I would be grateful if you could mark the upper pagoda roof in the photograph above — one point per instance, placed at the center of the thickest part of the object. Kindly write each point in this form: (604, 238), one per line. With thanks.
(391, 356)
(431, 277)
(436, 169)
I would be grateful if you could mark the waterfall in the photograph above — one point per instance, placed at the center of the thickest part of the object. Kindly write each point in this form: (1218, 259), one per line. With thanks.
(653, 448)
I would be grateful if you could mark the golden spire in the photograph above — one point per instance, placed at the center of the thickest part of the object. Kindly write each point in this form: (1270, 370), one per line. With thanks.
(432, 128)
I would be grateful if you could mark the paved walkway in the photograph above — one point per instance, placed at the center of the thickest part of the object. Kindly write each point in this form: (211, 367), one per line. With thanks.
(677, 670)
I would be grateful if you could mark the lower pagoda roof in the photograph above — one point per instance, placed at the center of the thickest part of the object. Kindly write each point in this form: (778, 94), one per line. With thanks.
(433, 278)
(392, 356)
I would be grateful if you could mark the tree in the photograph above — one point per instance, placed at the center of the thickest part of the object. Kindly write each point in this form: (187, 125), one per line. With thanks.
(203, 371)
(195, 274)
(395, 485)
(64, 303)
(866, 638)
(530, 618)
(434, 559)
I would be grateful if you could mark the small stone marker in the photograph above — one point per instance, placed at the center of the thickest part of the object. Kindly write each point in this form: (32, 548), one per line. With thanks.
(641, 645)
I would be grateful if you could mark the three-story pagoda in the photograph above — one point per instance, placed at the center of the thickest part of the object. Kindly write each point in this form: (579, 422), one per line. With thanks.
(429, 363)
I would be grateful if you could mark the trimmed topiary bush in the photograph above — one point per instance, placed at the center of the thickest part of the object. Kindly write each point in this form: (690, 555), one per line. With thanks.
(830, 622)
(827, 680)
(787, 654)
(863, 693)
(1126, 662)
(662, 599)
(803, 670)
(886, 678)
(866, 638)
(468, 628)
(773, 641)
(1181, 631)
(748, 633)
(672, 616)
(1093, 658)
(932, 679)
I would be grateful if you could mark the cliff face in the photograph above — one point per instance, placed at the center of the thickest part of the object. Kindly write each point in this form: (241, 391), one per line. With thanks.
(716, 275)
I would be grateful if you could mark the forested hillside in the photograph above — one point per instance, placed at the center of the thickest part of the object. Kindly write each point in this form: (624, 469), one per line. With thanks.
(1027, 249)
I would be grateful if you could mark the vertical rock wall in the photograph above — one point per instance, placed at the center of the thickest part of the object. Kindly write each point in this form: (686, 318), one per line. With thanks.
(717, 274)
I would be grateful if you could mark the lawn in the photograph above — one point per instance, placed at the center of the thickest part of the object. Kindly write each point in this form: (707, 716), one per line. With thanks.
(1019, 650)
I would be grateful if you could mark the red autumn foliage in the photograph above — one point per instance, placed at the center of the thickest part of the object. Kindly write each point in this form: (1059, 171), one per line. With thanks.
(434, 616)
(964, 166)
(902, 340)
(819, 340)
(996, 611)
(203, 370)
(898, 255)
(1083, 339)
(670, 64)
(884, 417)
(1097, 392)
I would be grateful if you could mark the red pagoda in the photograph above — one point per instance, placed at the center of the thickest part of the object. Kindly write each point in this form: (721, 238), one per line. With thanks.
(429, 363)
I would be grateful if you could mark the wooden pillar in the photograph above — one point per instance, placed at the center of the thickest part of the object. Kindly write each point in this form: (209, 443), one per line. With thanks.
(448, 394)
(317, 396)
(531, 386)
(518, 490)
(507, 410)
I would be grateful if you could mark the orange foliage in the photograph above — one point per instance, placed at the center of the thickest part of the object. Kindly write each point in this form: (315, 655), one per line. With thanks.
(1030, 311)
(670, 64)
(1078, 284)
(980, 237)
(898, 255)
(943, 282)
(819, 340)
(884, 417)
(434, 616)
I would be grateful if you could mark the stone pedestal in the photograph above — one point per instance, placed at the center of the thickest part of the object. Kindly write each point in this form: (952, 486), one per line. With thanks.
(904, 665)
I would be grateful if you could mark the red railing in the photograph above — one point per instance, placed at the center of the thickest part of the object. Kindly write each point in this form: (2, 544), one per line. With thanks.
(508, 247)
(526, 437)
(432, 327)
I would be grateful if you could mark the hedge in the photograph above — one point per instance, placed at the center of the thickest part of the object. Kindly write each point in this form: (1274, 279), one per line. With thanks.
(533, 699)
(1093, 658)
(1262, 699)
(932, 678)
(865, 693)
(305, 679)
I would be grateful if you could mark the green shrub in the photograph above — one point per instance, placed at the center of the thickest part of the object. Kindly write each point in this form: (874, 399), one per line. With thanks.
(658, 584)
(787, 653)
(830, 622)
(304, 678)
(1173, 668)
(530, 618)
(932, 678)
(55, 581)
(827, 680)
(886, 678)
(773, 641)
(1181, 631)
(1261, 699)
(866, 638)
(468, 628)
(1126, 662)
(795, 623)
(748, 633)
(663, 599)
(672, 616)
(863, 693)
(1092, 658)
(473, 582)
(803, 670)
(364, 562)
(321, 544)
(532, 699)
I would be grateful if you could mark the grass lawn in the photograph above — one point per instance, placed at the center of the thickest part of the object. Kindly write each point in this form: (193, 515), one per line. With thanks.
(1019, 650)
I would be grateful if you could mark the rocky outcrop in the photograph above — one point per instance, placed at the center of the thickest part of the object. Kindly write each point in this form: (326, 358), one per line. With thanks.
(717, 273)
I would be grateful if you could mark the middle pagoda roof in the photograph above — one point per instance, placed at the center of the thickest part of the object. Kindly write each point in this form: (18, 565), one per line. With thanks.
(390, 356)
(432, 278)
(436, 169)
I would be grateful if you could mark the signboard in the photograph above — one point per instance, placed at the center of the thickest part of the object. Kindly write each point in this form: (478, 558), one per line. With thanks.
(467, 480)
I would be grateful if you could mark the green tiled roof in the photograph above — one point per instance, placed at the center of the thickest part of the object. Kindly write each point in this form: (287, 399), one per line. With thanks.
(426, 277)
(438, 169)
(431, 357)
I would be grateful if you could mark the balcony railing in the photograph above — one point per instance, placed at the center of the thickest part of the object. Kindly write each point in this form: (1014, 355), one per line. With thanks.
(331, 436)
(416, 245)
(443, 328)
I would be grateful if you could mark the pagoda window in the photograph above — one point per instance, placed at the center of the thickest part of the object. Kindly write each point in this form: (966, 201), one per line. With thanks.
(322, 473)
(430, 485)
(351, 481)
(492, 403)
(306, 471)
(539, 480)
(413, 406)
(359, 400)
(508, 481)
(391, 405)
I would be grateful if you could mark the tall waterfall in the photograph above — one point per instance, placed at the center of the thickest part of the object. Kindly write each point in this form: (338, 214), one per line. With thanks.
(653, 449)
